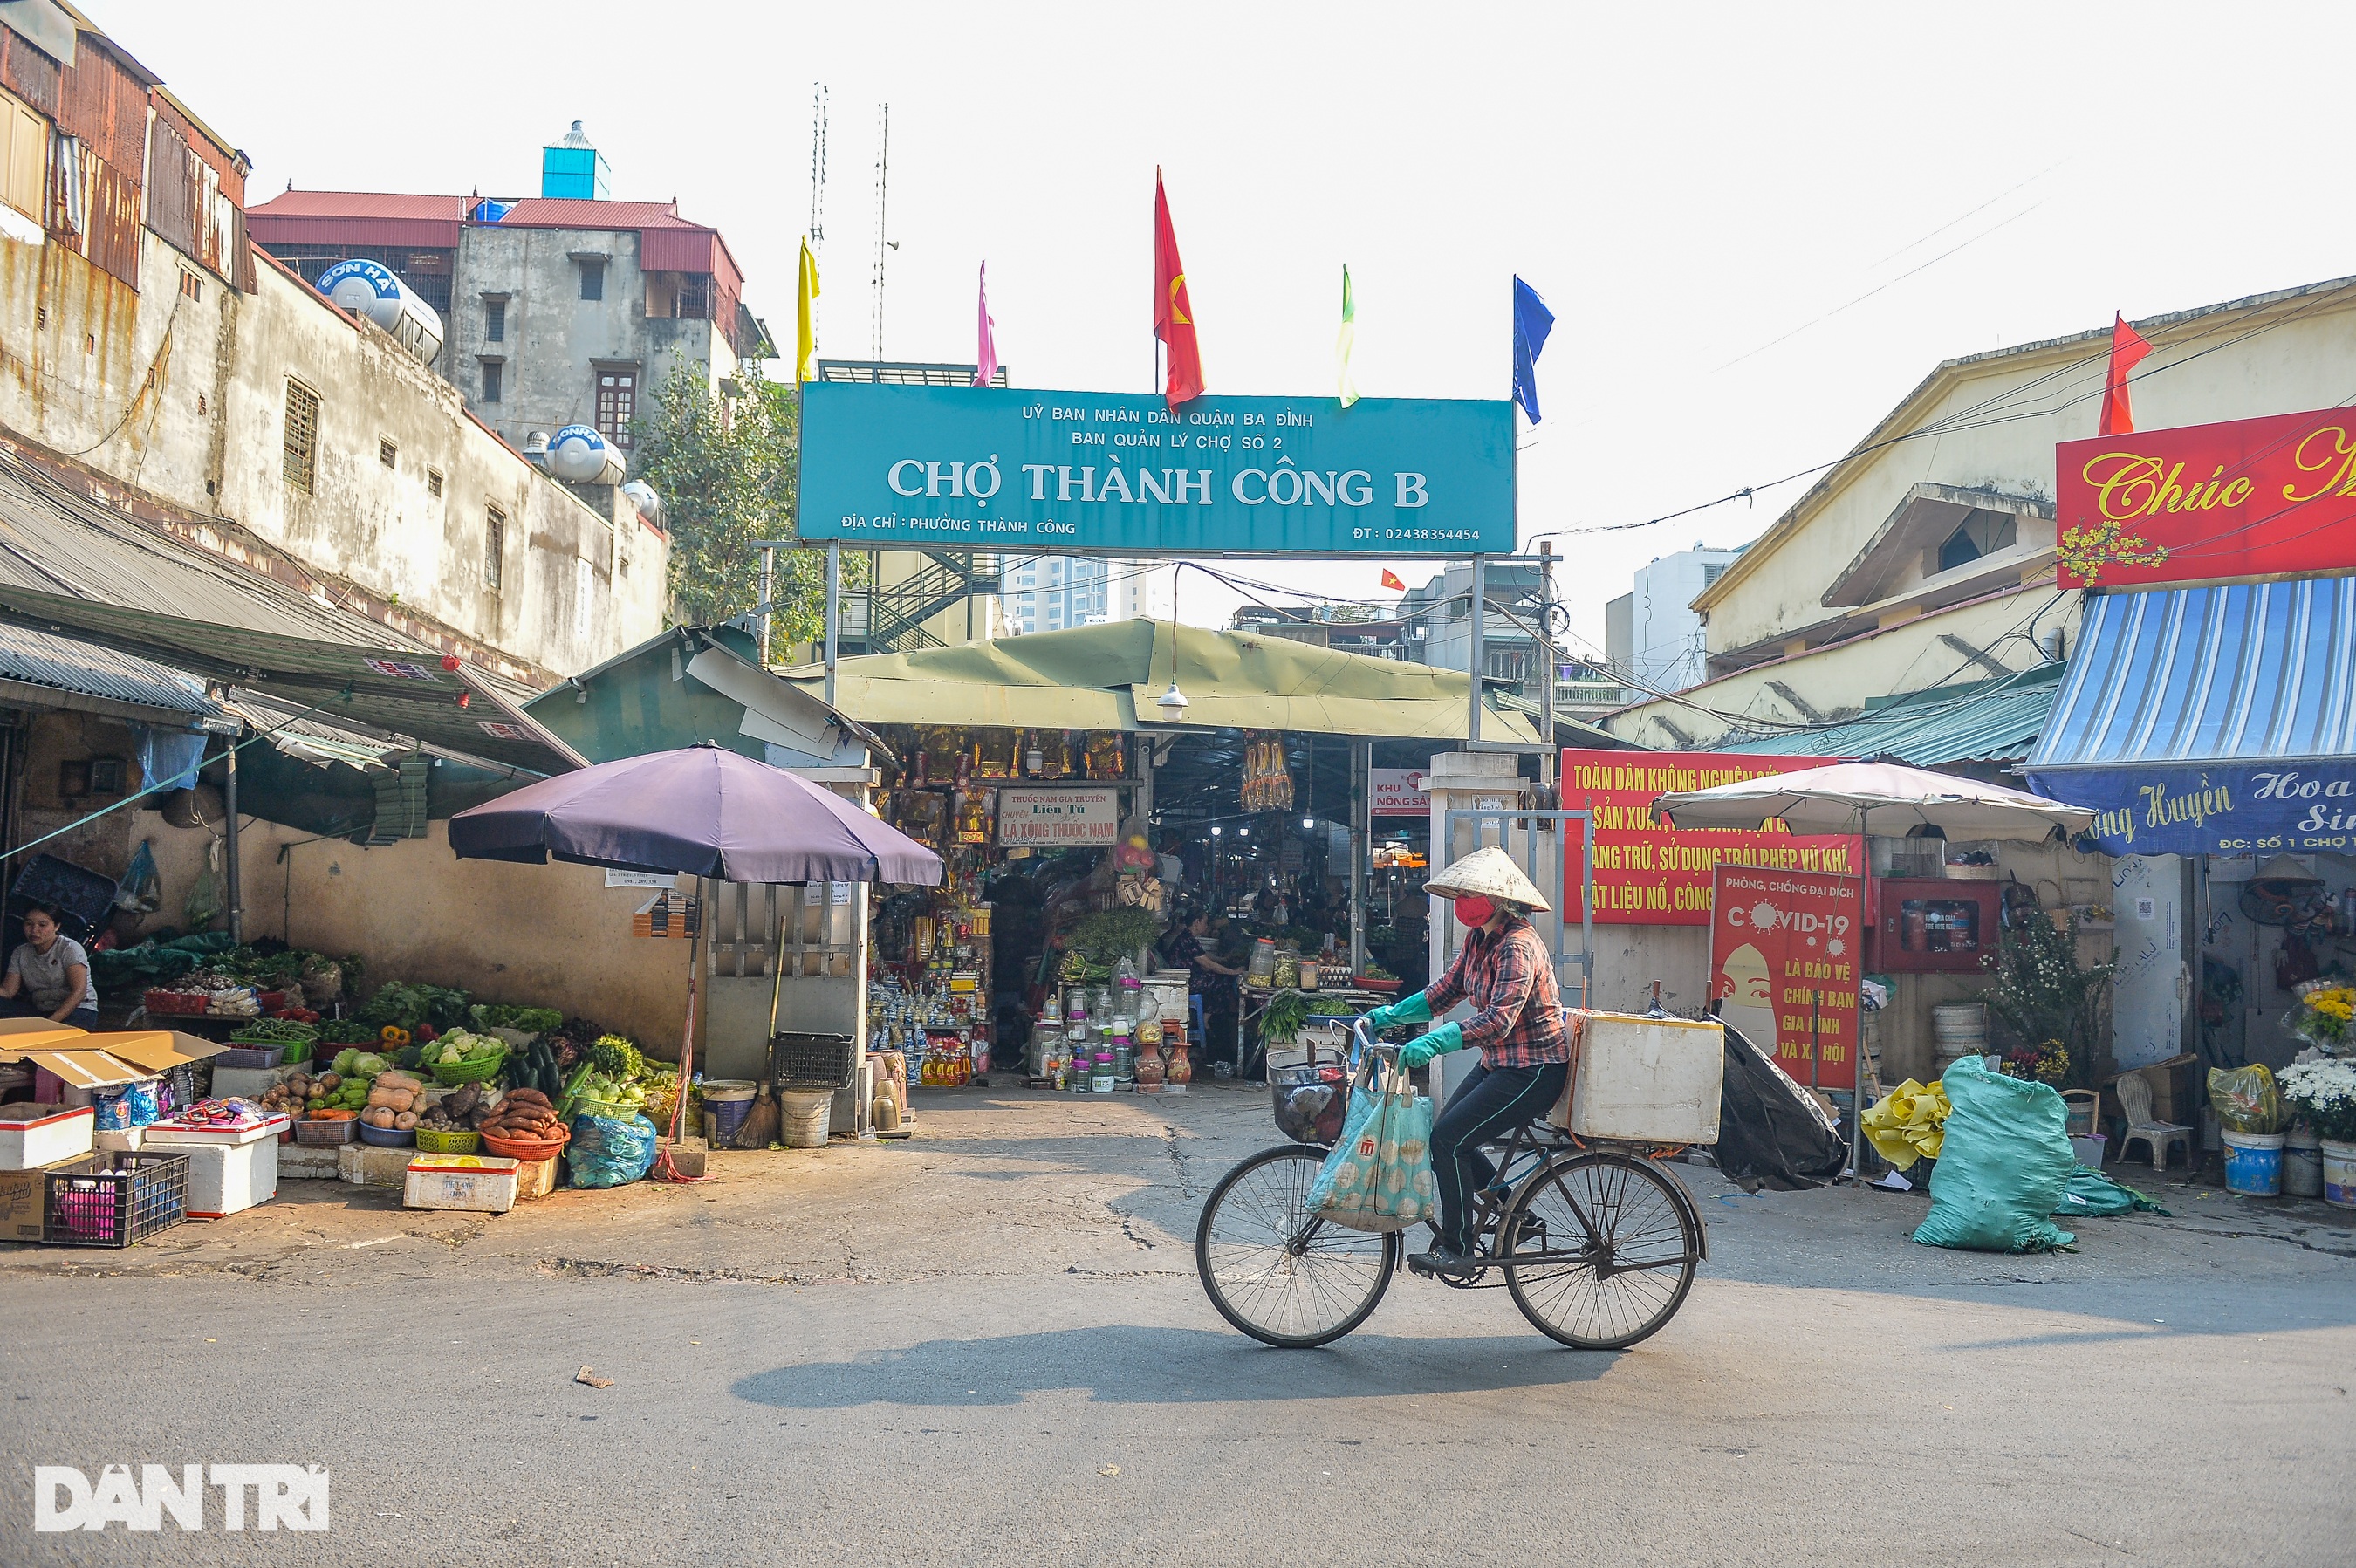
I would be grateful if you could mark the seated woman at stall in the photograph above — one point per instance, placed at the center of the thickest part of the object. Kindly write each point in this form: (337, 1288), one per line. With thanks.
(1195, 947)
(48, 974)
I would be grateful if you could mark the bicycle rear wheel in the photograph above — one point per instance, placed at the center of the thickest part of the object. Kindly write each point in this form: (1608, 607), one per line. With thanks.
(1274, 1270)
(1611, 1250)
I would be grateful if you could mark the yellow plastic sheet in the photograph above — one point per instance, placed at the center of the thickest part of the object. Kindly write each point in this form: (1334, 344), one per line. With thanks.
(1909, 1123)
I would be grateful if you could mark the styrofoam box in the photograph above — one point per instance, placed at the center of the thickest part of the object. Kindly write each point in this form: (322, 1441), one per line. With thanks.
(32, 1136)
(1646, 1080)
(223, 1178)
(266, 1129)
(483, 1184)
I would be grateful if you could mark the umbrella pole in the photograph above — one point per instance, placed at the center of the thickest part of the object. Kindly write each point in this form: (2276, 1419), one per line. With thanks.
(664, 1169)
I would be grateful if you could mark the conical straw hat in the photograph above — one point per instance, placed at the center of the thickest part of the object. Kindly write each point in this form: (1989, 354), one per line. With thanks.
(1491, 872)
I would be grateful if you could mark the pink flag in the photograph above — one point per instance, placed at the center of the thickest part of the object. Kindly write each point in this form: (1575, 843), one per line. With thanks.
(986, 347)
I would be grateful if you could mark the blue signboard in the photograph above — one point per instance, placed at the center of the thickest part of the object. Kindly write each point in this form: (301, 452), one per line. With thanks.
(2232, 807)
(1095, 473)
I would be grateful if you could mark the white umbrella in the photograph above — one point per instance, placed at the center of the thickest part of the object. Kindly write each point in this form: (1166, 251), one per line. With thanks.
(1874, 796)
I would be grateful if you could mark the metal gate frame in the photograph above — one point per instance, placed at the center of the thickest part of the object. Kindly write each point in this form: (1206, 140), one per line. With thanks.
(1543, 840)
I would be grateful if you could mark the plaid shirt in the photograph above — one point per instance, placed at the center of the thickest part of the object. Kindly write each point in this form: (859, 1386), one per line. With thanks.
(1507, 977)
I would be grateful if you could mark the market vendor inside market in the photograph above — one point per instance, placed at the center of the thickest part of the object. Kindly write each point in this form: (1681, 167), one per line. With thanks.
(1502, 969)
(48, 974)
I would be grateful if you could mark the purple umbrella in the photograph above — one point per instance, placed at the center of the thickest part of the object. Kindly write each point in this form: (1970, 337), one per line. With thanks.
(705, 812)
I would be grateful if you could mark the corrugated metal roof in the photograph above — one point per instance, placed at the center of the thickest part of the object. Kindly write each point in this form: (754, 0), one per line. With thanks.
(1988, 721)
(2208, 674)
(37, 658)
(75, 568)
(586, 212)
(359, 204)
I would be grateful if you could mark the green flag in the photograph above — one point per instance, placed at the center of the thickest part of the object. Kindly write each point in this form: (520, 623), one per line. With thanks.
(1342, 344)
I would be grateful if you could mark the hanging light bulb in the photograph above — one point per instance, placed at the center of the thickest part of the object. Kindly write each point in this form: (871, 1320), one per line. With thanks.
(1172, 703)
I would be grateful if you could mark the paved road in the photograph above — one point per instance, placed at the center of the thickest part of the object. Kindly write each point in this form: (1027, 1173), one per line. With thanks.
(987, 1346)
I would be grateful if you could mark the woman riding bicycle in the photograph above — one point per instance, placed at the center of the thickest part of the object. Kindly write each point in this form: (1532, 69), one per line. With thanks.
(1504, 972)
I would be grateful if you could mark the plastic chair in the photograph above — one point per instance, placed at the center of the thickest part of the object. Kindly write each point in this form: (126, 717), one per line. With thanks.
(2135, 1098)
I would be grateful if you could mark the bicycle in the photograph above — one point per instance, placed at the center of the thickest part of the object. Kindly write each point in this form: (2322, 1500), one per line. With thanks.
(1597, 1245)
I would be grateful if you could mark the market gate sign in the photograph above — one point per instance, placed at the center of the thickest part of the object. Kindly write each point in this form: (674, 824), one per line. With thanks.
(1059, 819)
(1648, 873)
(1398, 792)
(992, 468)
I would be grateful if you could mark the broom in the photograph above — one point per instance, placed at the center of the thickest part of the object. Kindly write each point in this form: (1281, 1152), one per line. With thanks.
(762, 1124)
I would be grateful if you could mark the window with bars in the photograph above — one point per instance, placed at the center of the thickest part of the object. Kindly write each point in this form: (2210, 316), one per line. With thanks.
(388, 452)
(495, 321)
(592, 280)
(493, 374)
(617, 404)
(301, 461)
(495, 548)
(433, 483)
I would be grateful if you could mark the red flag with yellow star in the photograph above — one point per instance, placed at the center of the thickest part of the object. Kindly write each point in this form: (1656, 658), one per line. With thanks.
(1174, 313)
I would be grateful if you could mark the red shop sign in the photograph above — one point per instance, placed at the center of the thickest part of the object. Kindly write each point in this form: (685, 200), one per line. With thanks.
(2247, 498)
(1784, 966)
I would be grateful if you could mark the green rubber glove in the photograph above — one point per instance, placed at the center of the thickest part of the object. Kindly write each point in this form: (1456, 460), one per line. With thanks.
(1439, 1043)
(1406, 1010)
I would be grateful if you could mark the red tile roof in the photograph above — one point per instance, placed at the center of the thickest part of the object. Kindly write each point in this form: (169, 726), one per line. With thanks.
(360, 204)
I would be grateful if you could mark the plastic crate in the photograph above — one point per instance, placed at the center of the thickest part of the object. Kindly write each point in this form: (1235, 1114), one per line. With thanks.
(433, 1143)
(813, 1062)
(323, 1133)
(114, 1199)
(176, 1002)
(252, 1056)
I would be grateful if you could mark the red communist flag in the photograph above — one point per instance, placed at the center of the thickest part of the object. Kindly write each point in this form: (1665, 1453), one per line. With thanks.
(2127, 351)
(1391, 580)
(1174, 313)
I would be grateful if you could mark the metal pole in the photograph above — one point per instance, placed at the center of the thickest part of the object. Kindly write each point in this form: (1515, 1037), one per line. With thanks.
(1361, 788)
(833, 609)
(1477, 655)
(1546, 688)
(768, 597)
(235, 881)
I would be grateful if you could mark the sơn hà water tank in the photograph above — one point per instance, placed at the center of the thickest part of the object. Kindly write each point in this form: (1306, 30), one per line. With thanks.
(579, 456)
(642, 496)
(371, 289)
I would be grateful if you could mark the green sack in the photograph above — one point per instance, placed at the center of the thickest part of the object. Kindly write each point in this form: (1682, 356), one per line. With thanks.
(2005, 1165)
(2092, 1192)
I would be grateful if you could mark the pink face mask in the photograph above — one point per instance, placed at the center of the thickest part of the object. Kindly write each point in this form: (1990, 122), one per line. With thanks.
(1475, 911)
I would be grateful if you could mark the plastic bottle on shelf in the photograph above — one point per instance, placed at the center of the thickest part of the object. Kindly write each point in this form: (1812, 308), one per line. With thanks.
(1101, 1079)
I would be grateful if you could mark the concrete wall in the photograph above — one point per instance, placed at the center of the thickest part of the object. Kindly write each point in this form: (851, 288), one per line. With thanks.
(183, 394)
(554, 340)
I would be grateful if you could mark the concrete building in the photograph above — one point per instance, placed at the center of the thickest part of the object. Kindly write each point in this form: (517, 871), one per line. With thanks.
(1051, 593)
(1652, 633)
(558, 309)
(152, 355)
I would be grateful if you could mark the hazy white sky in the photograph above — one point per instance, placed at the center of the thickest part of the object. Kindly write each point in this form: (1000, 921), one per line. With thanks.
(1685, 184)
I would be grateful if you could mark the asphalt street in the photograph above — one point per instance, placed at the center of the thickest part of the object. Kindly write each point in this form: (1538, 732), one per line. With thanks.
(987, 1345)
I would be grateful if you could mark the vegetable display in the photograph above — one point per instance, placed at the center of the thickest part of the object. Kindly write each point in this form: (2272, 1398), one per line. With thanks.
(411, 1005)
(525, 1020)
(617, 1058)
(523, 1114)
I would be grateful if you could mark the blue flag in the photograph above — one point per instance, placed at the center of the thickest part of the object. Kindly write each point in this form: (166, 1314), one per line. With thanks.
(1532, 322)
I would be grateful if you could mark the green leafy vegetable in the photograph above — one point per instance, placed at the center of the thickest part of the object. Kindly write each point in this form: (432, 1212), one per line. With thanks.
(616, 1058)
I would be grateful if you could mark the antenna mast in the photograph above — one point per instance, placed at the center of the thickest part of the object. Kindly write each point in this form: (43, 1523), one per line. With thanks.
(882, 193)
(818, 167)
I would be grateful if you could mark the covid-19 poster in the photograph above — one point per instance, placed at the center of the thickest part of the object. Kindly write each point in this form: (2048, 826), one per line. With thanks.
(1783, 968)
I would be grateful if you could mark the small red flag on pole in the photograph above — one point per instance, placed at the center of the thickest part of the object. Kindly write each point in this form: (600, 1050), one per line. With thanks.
(2127, 351)
(1174, 312)
(1391, 580)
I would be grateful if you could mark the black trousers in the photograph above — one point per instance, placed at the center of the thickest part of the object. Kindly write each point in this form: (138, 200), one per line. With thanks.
(1491, 1103)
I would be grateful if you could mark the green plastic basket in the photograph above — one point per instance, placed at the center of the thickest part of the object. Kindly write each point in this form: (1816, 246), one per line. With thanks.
(433, 1143)
(450, 1074)
(606, 1108)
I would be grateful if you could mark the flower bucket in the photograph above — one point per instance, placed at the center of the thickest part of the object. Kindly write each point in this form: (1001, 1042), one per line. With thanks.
(2253, 1163)
(2302, 1165)
(2340, 1173)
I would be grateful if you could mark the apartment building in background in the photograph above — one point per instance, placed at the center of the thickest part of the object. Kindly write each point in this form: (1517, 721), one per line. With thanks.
(1651, 633)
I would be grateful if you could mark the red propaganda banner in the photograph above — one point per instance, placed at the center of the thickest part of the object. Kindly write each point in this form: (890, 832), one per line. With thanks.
(2249, 497)
(1783, 968)
(1650, 873)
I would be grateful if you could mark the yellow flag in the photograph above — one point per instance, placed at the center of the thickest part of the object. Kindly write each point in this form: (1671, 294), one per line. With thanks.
(1343, 345)
(805, 339)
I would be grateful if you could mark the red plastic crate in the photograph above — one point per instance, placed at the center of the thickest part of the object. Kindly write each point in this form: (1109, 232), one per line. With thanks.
(182, 1003)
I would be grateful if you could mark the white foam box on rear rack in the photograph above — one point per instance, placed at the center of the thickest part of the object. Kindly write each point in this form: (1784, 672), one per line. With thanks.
(1652, 1081)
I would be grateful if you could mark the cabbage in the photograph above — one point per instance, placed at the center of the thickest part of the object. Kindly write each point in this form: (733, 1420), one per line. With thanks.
(344, 1060)
(368, 1064)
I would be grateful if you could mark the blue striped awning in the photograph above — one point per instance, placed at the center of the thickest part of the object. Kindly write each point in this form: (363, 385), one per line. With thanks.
(2217, 719)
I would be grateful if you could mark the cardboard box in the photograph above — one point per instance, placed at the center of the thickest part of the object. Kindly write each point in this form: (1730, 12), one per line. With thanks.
(21, 1201)
(33, 1135)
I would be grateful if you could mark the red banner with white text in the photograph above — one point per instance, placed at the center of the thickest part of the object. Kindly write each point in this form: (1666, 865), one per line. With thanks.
(1783, 969)
(1650, 873)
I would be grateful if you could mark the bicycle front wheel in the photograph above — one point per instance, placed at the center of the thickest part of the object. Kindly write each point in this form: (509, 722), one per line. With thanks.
(1599, 1251)
(1277, 1271)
